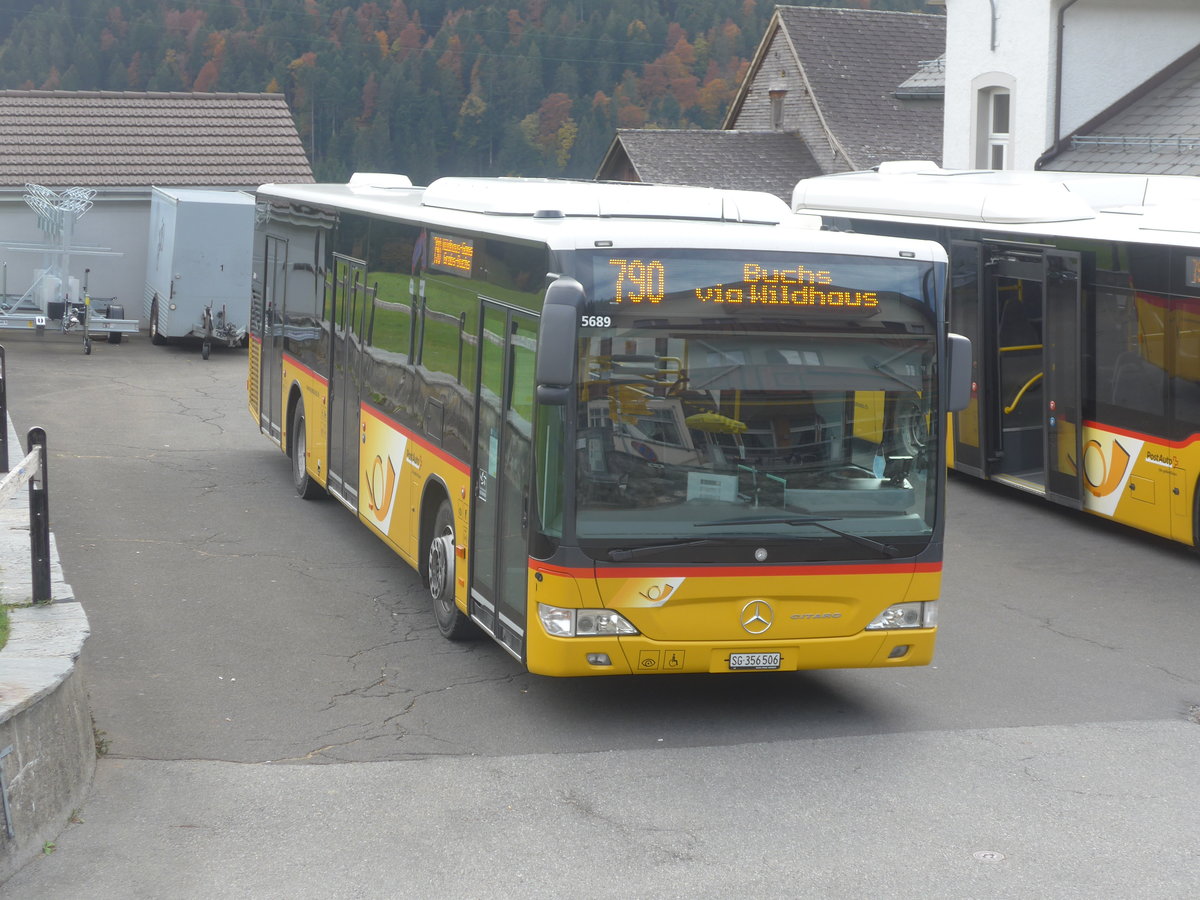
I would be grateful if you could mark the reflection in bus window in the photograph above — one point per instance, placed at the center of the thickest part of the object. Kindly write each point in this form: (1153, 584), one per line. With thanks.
(389, 266)
(1185, 364)
(1129, 331)
(689, 430)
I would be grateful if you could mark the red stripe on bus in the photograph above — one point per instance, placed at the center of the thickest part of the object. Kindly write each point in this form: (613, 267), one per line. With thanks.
(299, 365)
(1176, 301)
(441, 454)
(1142, 436)
(740, 571)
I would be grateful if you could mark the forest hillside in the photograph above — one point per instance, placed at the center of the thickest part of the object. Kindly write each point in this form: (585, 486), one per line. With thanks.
(421, 87)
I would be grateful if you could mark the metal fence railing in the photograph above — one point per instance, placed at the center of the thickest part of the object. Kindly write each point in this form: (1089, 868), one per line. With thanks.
(30, 471)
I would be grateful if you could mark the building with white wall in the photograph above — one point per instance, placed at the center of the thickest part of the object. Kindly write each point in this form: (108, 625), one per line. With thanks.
(1100, 85)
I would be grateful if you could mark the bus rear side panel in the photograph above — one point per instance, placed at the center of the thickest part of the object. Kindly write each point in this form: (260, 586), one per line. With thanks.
(303, 385)
(1141, 481)
(397, 470)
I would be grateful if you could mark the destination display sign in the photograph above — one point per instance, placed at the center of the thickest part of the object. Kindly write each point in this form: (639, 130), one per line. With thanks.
(455, 255)
(747, 282)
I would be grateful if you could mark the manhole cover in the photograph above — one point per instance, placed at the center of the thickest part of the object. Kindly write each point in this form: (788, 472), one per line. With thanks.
(988, 855)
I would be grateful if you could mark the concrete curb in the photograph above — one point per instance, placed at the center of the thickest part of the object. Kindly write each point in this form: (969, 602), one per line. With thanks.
(46, 738)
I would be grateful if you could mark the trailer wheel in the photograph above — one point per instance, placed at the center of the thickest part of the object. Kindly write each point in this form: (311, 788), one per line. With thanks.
(155, 335)
(305, 486)
(440, 574)
(115, 311)
(205, 350)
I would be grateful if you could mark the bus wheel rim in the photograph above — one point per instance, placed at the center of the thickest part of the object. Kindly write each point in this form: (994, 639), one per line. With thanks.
(441, 563)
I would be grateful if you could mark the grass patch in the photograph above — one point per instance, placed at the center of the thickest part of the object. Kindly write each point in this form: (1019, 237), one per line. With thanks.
(3, 626)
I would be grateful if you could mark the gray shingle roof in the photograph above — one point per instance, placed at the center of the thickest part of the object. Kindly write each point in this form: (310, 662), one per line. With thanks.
(855, 59)
(739, 160)
(1154, 133)
(133, 139)
(929, 81)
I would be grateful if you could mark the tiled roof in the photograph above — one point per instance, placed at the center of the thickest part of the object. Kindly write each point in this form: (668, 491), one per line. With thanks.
(928, 81)
(128, 139)
(1156, 133)
(855, 60)
(739, 160)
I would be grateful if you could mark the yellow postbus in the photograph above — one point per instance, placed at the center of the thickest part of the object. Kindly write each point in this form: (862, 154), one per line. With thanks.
(618, 428)
(1080, 293)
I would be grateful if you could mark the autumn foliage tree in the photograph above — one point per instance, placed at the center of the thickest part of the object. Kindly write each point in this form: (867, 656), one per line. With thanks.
(423, 87)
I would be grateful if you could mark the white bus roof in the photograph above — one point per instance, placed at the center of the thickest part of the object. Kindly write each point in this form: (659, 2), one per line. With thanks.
(574, 214)
(1139, 208)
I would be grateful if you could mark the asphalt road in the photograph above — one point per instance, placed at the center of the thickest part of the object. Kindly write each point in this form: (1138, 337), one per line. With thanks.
(282, 718)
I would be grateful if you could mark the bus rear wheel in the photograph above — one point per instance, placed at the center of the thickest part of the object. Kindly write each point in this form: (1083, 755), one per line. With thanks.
(440, 573)
(1196, 518)
(305, 486)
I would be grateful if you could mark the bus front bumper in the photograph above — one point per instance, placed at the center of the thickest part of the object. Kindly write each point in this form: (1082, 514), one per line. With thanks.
(638, 654)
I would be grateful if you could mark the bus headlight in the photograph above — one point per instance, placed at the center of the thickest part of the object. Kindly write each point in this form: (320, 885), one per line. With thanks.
(905, 615)
(560, 622)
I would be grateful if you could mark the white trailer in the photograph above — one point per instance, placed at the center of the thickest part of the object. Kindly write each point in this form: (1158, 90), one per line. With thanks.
(198, 269)
(55, 293)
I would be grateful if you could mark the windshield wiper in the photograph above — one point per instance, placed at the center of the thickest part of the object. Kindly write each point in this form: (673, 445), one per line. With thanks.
(633, 552)
(889, 550)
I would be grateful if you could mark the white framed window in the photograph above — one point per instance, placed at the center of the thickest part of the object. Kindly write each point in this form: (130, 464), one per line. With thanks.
(995, 108)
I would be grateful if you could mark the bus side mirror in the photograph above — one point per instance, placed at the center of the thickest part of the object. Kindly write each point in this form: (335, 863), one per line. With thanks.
(558, 333)
(958, 359)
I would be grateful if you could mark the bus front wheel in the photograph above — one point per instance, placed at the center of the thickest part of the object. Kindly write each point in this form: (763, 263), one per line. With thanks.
(305, 486)
(440, 572)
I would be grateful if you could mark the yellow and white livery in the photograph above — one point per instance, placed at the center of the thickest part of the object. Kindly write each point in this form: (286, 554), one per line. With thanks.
(1081, 296)
(618, 428)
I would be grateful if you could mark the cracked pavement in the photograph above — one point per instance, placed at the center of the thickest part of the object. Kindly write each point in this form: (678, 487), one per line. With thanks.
(284, 719)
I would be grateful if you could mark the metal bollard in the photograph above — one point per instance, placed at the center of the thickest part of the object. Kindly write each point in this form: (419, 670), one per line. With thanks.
(39, 519)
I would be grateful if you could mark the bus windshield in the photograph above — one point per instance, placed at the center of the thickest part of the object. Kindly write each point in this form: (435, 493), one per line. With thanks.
(798, 426)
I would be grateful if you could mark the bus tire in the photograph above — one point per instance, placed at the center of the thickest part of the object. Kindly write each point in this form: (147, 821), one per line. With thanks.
(440, 577)
(1196, 518)
(305, 486)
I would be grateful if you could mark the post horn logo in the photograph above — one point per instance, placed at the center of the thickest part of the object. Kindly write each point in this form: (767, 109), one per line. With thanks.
(381, 488)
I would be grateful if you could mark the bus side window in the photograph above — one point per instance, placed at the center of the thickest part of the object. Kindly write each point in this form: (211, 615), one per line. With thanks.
(1129, 379)
(449, 304)
(389, 267)
(1185, 366)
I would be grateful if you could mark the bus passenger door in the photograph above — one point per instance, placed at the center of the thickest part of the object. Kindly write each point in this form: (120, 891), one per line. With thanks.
(967, 317)
(270, 372)
(1062, 359)
(349, 307)
(499, 545)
